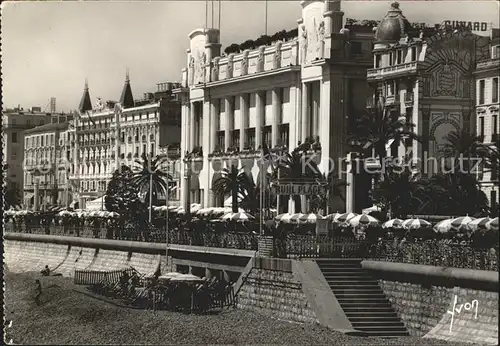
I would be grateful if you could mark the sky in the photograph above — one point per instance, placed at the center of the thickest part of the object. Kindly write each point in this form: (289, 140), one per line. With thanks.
(50, 48)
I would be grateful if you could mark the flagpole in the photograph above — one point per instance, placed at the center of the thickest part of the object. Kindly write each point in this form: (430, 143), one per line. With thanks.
(266, 18)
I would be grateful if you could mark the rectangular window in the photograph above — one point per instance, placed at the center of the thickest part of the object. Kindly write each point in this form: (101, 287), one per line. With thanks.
(494, 124)
(152, 151)
(267, 136)
(250, 144)
(413, 53)
(14, 137)
(42, 140)
(390, 59)
(481, 127)
(378, 59)
(144, 149)
(481, 91)
(356, 48)
(236, 139)
(494, 91)
(284, 135)
(399, 56)
(221, 140)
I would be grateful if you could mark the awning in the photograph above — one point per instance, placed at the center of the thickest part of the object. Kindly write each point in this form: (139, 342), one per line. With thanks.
(28, 195)
(96, 204)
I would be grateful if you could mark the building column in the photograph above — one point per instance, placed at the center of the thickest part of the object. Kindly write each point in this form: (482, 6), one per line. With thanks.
(229, 122)
(192, 126)
(206, 128)
(297, 120)
(214, 123)
(260, 107)
(316, 98)
(305, 111)
(276, 99)
(349, 208)
(243, 119)
(324, 127)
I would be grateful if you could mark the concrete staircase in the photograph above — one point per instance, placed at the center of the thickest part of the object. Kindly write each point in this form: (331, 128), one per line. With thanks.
(361, 298)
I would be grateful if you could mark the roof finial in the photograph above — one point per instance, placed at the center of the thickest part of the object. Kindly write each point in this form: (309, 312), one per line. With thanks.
(395, 5)
(86, 84)
(127, 77)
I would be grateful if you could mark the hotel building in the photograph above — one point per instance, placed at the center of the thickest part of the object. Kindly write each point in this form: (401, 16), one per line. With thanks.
(487, 76)
(14, 124)
(79, 158)
(427, 76)
(281, 93)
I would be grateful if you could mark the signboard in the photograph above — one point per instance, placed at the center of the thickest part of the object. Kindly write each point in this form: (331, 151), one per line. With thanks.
(472, 26)
(291, 189)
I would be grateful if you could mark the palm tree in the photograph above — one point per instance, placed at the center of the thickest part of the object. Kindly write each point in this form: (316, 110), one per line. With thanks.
(295, 166)
(233, 181)
(335, 187)
(376, 128)
(402, 192)
(463, 144)
(12, 197)
(149, 177)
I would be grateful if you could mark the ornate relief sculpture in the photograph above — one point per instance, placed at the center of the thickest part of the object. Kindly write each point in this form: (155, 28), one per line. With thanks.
(202, 64)
(244, 64)
(191, 71)
(303, 43)
(260, 60)
(277, 56)
(230, 63)
(215, 70)
(320, 48)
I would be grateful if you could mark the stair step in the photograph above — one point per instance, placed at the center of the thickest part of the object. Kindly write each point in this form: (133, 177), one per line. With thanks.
(353, 282)
(359, 294)
(343, 300)
(364, 324)
(376, 314)
(384, 304)
(344, 271)
(383, 328)
(377, 319)
(368, 309)
(386, 334)
(348, 278)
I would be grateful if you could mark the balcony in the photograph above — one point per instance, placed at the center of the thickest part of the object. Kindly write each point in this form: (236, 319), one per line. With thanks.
(391, 100)
(392, 71)
(409, 100)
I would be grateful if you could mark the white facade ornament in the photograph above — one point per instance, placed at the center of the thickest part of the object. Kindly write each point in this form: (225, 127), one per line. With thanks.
(321, 40)
(191, 71)
(303, 43)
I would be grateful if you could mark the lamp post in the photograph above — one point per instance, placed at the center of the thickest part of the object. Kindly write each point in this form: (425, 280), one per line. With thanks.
(187, 178)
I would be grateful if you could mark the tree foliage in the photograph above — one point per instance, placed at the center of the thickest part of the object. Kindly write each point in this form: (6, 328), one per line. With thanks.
(122, 196)
(233, 181)
(150, 170)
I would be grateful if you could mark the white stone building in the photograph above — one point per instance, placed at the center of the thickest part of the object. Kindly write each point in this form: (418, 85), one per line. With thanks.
(487, 76)
(281, 94)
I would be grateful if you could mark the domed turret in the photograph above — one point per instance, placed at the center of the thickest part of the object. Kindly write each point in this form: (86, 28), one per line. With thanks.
(393, 26)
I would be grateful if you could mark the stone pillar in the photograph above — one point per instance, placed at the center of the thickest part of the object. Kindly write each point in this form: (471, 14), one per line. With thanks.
(325, 126)
(208, 273)
(205, 136)
(276, 99)
(243, 119)
(298, 118)
(351, 165)
(36, 197)
(305, 111)
(260, 107)
(192, 126)
(214, 124)
(315, 108)
(229, 122)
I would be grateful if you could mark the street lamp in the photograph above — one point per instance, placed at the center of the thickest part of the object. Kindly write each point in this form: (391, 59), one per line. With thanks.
(187, 177)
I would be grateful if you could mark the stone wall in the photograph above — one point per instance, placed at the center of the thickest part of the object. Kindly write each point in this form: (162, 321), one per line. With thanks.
(274, 290)
(425, 296)
(419, 307)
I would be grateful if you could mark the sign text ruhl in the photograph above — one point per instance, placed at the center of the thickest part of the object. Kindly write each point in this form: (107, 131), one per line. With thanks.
(299, 189)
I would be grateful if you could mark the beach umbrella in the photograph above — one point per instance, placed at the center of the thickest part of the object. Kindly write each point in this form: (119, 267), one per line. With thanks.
(363, 220)
(345, 217)
(416, 224)
(239, 217)
(443, 226)
(332, 216)
(310, 218)
(394, 223)
(114, 214)
(172, 207)
(283, 217)
(461, 222)
(295, 218)
(493, 224)
(478, 224)
(195, 207)
(180, 210)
